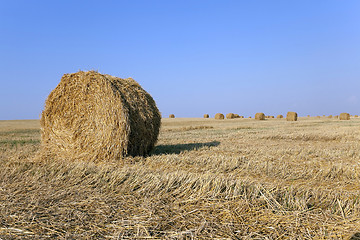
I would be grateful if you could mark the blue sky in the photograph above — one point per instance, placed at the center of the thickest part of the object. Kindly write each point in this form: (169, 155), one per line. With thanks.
(193, 57)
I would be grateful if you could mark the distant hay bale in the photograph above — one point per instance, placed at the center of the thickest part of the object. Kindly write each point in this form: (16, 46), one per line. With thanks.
(356, 116)
(291, 116)
(206, 115)
(260, 116)
(279, 116)
(330, 116)
(241, 117)
(95, 117)
(236, 116)
(219, 116)
(249, 116)
(230, 116)
(344, 116)
(308, 115)
(171, 116)
(336, 116)
(271, 117)
(317, 116)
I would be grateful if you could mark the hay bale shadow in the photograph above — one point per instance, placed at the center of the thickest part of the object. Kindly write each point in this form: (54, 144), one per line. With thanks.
(356, 236)
(179, 148)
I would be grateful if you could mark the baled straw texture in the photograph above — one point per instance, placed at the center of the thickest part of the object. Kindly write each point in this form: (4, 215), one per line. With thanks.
(91, 116)
(279, 116)
(230, 116)
(291, 116)
(260, 116)
(219, 116)
(344, 116)
(171, 116)
(206, 115)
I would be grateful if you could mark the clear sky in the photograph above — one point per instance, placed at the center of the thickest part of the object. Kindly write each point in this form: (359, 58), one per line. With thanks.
(193, 57)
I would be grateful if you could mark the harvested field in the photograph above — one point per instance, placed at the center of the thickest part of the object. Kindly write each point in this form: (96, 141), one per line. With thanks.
(205, 179)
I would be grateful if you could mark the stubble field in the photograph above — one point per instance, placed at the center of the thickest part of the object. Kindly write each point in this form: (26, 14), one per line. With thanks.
(206, 179)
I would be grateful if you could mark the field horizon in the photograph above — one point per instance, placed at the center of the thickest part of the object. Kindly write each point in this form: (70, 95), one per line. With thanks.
(205, 178)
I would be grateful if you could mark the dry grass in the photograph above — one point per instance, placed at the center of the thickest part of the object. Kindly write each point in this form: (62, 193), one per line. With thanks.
(206, 179)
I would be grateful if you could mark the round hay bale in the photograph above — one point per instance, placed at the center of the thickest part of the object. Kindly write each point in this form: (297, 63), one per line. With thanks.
(92, 116)
(219, 116)
(271, 117)
(330, 116)
(356, 116)
(171, 116)
(279, 116)
(308, 115)
(206, 115)
(344, 116)
(291, 116)
(230, 116)
(260, 116)
(249, 116)
(236, 116)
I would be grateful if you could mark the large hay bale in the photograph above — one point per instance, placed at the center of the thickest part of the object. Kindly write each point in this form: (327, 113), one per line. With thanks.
(91, 116)
(206, 115)
(171, 116)
(219, 116)
(291, 116)
(236, 115)
(260, 116)
(279, 116)
(230, 116)
(344, 116)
